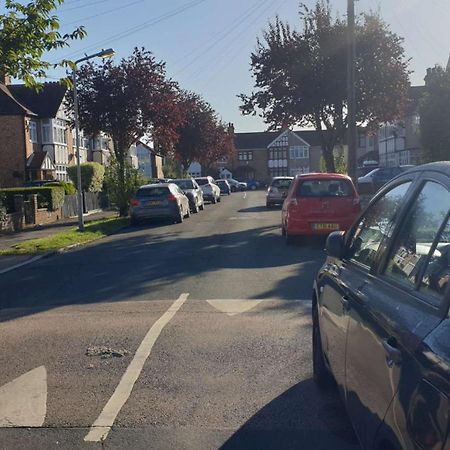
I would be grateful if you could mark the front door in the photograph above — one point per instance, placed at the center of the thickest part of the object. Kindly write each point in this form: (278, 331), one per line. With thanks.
(387, 319)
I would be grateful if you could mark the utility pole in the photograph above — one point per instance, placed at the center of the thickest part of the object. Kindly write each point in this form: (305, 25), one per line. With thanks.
(351, 97)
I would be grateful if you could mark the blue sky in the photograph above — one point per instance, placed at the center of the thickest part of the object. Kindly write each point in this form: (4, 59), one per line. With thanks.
(207, 43)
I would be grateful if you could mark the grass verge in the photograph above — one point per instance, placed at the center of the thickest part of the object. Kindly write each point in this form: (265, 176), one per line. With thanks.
(92, 231)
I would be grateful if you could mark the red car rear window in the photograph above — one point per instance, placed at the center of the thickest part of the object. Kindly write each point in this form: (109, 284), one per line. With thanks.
(325, 188)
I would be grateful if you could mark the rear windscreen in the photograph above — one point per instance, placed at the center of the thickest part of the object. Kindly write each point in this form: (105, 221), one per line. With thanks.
(202, 181)
(183, 184)
(153, 192)
(325, 188)
(281, 183)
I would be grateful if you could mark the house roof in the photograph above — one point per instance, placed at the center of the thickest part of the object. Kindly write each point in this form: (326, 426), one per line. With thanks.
(150, 149)
(9, 105)
(45, 102)
(40, 160)
(261, 140)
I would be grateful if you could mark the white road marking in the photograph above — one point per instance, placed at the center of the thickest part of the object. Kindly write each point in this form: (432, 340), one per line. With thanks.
(23, 401)
(245, 195)
(102, 426)
(233, 306)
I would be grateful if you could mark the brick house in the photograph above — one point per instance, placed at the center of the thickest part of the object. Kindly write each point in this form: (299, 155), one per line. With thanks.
(35, 139)
(264, 155)
(150, 163)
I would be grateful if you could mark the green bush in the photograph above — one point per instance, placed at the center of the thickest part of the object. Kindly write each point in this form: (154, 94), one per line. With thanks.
(2, 209)
(69, 188)
(92, 174)
(51, 197)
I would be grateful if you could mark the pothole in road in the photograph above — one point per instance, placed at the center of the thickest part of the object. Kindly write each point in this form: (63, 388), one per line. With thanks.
(106, 352)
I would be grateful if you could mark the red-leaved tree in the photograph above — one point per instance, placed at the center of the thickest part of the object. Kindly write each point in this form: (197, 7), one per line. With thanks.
(127, 101)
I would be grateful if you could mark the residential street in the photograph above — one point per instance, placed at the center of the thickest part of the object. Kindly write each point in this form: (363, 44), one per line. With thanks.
(206, 330)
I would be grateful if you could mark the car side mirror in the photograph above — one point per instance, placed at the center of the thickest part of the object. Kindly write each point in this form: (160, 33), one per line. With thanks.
(335, 244)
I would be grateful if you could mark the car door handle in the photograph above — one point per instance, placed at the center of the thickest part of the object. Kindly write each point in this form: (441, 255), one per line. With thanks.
(393, 354)
(345, 303)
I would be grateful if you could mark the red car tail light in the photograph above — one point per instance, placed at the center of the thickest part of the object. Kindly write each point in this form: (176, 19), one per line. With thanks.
(171, 198)
(134, 202)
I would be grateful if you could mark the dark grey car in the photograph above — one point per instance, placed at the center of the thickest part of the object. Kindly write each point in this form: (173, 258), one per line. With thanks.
(159, 201)
(381, 321)
(193, 192)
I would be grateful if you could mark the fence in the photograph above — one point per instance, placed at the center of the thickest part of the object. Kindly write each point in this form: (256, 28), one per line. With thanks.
(91, 202)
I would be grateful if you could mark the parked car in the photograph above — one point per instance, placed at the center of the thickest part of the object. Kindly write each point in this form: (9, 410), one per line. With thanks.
(242, 185)
(318, 203)
(224, 186)
(381, 324)
(277, 191)
(193, 192)
(162, 200)
(252, 185)
(211, 192)
(376, 178)
(234, 184)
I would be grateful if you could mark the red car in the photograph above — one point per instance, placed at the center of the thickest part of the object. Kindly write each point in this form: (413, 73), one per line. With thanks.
(318, 203)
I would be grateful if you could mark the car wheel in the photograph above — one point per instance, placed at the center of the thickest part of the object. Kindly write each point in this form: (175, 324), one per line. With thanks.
(195, 208)
(188, 213)
(214, 200)
(268, 205)
(219, 199)
(321, 374)
(202, 206)
(283, 231)
(180, 217)
(233, 189)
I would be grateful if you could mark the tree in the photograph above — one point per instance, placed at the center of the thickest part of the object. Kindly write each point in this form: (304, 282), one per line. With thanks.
(435, 115)
(300, 76)
(27, 31)
(195, 130)
(127, 101)
(202, 136)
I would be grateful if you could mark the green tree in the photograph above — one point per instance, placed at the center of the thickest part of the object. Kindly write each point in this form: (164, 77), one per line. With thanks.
(92, 174)
(301, 76)
(121, 182)
(435, 115)
(27, 32)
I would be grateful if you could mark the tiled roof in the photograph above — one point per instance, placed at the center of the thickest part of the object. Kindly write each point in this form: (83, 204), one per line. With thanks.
(37, 159)
(44, 103)
(261, 140)
(10, 105)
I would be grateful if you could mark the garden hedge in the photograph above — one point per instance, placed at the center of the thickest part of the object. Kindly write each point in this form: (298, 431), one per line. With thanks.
(69, 188)
(92, 174)
(51, 197)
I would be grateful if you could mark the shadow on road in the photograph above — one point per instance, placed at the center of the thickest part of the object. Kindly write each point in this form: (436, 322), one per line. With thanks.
(300, 418)
(135, 263)
(258, 209)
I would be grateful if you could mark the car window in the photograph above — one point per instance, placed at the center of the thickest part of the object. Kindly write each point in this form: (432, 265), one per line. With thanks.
(376, 225)
(183, 184)
(202, 181)
(415, 244)
(281, 183)
(152, 192)
(325, 188)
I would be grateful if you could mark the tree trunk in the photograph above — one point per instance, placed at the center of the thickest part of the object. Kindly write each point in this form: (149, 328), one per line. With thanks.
(328, 157)
(123, 205)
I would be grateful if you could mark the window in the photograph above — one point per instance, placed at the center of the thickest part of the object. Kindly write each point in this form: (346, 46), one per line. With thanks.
(362, 140)
(59, 131)
(33, 131)
(282, 141)
(278, 171)
(245, 156)
(299, 152)
(325, 188)
(47, 137)
(415, 242)
(376, 226)
(298, 170)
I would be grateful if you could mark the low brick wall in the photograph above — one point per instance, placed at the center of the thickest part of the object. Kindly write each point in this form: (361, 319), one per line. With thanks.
(43, 216)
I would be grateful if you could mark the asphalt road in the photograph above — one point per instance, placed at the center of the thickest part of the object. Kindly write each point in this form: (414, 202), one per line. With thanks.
(206, 334)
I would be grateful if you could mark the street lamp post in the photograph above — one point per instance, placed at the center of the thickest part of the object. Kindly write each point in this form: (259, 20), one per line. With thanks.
(102, 54)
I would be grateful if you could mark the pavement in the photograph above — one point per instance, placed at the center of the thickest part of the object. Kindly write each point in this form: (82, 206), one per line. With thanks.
(187, 336)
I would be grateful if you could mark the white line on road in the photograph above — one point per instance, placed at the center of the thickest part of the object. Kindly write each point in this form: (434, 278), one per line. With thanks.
(245, 195)
(102, 426)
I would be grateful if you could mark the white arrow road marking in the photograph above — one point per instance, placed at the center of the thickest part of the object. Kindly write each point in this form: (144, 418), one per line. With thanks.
(232, 306)
(23, 401)
(102, 426)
